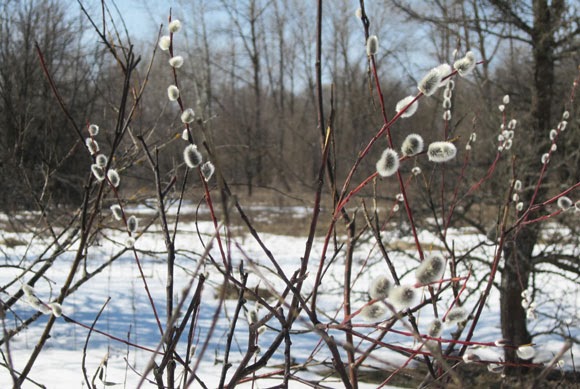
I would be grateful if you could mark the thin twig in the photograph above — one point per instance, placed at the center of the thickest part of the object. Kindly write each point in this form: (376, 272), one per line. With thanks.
(83, 361)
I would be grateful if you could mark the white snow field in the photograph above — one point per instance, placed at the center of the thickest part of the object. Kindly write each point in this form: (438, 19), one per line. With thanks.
(129, 313)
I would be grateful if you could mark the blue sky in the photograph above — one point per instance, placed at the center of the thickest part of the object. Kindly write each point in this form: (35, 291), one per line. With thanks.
(143, 17)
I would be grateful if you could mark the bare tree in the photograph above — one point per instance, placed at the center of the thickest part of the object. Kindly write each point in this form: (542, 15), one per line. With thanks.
(38, 160)
(547, 29)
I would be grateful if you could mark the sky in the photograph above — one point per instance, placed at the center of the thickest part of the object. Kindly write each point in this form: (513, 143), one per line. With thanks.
(143, 17)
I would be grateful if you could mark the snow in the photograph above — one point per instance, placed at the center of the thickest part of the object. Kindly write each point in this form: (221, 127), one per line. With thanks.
(129, 314)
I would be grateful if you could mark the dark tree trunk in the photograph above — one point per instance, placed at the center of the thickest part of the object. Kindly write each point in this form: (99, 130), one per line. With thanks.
(514, 280)
(518, 252)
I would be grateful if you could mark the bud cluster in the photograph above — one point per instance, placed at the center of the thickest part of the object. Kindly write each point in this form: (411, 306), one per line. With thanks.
(529, 306)
(505, 138)
(516, 196)
(191, 155)
(447, 95)
(99, 167)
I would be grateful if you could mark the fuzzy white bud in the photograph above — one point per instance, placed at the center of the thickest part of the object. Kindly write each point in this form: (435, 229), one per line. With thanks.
(441, 151)
(130, 243)
(92, 145)
(431, 82)
(405, 102)
(56, 309)
(506, 99)
(28, 290)
(252, 316)
(207, 170)
(164, 42)
(430, 270)
(35, 303)
(435, 328)
(372, 45)
(412, 145)
(101, 160)
(98, 172)
(403, 296)
(172, 92)
(525, 352)
(176, 61)
(564, 203)
(416, 170)
(545, 158)
(93, 130)
(531, 314)
(373, 313)
(565, 115)
(465, 65)
(380, 287)
(132, 224)
(174, 26)
(388, 164)
(192, 156)
(445, 70)
(456, 315)
(114, 177)
(117, 211)
(562, 125)
(188, 116)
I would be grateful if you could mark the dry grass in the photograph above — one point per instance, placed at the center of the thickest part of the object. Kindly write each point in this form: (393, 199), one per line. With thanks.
(472, 376)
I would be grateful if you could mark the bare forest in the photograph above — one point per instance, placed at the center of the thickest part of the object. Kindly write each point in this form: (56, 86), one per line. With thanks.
(288, 193)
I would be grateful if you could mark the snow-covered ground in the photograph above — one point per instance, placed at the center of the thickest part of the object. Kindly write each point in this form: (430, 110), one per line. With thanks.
(129, 313)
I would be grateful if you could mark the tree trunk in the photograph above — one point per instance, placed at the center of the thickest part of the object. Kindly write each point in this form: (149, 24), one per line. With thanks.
(514, 280)
(518, 253)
